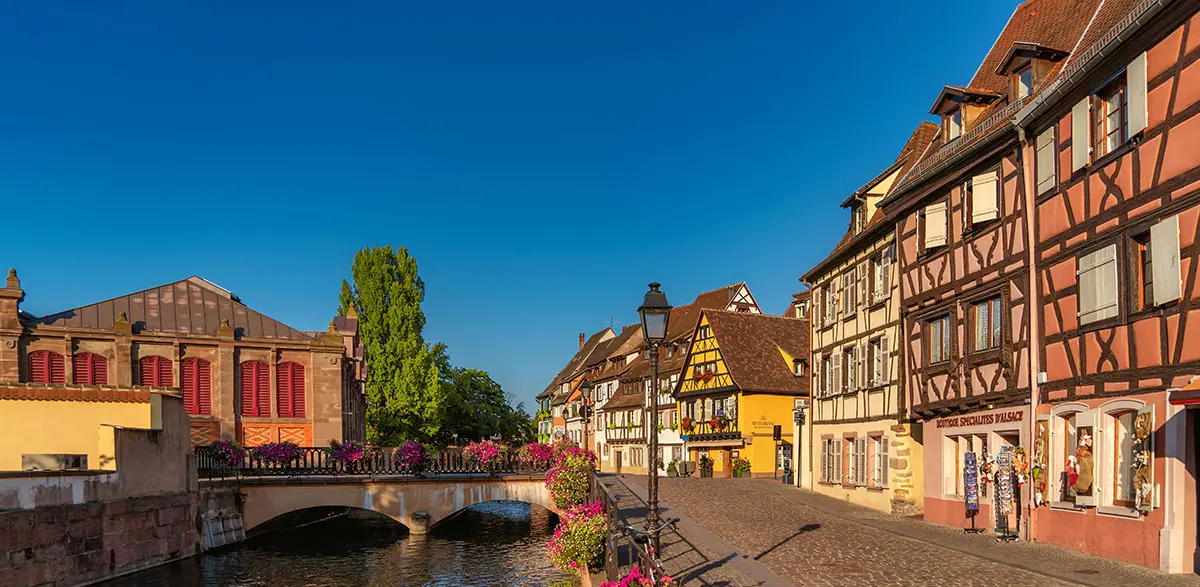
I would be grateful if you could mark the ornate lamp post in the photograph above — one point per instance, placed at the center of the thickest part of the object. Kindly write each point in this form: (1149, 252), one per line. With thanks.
(655, 313)
(586, 410)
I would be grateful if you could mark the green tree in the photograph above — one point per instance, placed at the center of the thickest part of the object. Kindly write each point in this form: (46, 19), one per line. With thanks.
(345, 299)
(405, 398)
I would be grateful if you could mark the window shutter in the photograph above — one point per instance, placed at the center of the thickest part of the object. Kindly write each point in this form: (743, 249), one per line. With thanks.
(165, 377)
(852, 474)
(56, 365)
(187, 383)
(1081, 142)
(852, 370)
(38, 373)
(99, 370)
(247, 385)
(885, 351)
(1144, 478)
(80, 369)
(885, 465)
(1135, 81)
(1088, 419)
(837, 373)
(1098, 285)
(863, 295)
(985, 197)
(297, 390)
(935, 225)
(147, 371)
(263, 390)
(283, 390)
(1047, 157)
(864, 378)
(824, 460)
(889, 253)
(1164, 255)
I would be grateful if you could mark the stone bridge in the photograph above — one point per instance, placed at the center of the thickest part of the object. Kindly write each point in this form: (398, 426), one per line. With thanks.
(419, 504)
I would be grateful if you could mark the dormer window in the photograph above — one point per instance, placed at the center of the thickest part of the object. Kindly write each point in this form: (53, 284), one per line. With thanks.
(798, 367)
(953, 124)
(1024, 81)
(859, 219)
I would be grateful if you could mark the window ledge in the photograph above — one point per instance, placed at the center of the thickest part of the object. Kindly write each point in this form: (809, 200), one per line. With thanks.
(1119, 511)
(1067, 506)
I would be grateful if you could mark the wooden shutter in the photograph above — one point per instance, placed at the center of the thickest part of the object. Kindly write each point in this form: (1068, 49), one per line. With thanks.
(283, 390)
(1135, 82)
(985, 191)
(885, 266)
(297, 390)
(1081, 142)
(837, 373)
(56, 366)
(38, 372)
(1098, 285)
(1047, 158)
(885, 466)
(864, 377)
(935, 225)
(884, 371)
(1164, 256)
(1146, 503)
(187, 384)
(262, 390)
(148, 371)
(80, 369)
(249, 388)
(852, 370)
(824, 461)
(863, 295)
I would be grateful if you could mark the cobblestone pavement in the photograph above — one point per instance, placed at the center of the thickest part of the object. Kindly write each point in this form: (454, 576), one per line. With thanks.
(810, 539)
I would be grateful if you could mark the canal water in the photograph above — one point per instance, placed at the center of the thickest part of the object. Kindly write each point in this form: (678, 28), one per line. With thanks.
(496, 543)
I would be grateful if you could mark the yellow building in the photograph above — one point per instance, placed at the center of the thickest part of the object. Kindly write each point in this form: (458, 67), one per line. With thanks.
(863, 449)
(742, 377)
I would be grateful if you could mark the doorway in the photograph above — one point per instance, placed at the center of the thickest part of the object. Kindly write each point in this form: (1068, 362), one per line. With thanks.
(727, 463)
(617, 460)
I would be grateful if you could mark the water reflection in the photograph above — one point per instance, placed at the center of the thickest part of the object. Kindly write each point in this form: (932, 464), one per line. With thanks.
(497, 543)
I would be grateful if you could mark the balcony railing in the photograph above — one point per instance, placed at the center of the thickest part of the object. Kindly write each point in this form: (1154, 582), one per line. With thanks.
(706, 431)
(381, 461)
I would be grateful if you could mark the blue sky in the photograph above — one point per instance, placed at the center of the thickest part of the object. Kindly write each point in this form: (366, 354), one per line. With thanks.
(542, 160)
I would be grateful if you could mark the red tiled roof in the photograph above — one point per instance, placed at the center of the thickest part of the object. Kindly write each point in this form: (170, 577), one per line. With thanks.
(750, 346)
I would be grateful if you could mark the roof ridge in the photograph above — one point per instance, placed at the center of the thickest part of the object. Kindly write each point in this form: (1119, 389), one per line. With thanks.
(200, 282)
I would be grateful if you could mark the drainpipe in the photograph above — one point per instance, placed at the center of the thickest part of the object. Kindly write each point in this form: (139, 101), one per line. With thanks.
(810, 419)
(1034, 307)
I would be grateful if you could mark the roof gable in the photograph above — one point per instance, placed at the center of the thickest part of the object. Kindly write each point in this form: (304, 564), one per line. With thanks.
(753, 346)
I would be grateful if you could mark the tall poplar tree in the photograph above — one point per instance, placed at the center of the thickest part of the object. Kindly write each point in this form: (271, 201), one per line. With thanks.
(345, 299)
(404, 397)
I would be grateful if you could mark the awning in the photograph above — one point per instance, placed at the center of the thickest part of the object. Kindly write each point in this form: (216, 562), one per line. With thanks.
(1188, 395)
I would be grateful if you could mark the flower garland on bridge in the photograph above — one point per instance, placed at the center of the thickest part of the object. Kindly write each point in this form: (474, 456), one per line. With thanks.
(486, 454)
(570, 479)
(277, 453)
(536, 455)
(349, 452)
(578, 541)
(231, 452)
(413, 456)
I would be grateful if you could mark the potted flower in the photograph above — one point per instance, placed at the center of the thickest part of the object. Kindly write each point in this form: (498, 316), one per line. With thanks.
(485, 454)
(229, 453)
(412, 456)
(688, 424)
(277, 453)
(673, 468)
(715, 423)
(741, 467)
(536, 456)
(350, 454)
(570, 479)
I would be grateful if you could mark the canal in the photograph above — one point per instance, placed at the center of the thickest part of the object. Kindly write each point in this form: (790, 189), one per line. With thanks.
(497, 543)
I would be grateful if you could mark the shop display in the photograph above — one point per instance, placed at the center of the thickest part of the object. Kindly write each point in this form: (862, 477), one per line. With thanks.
(971, 483)
(1037, 471)
(1143, 460)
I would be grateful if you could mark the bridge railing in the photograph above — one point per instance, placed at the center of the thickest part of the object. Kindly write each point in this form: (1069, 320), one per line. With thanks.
(211, 464)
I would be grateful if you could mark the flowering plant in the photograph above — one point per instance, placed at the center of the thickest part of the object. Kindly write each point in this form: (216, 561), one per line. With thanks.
(413, 456)
(571, 477)
(635, 578)
(486, 454)
(715, 422)
(741, 467)
(688, 423)
(279, 453)
(536, 455)
(351, 451)
(562, 445)
(231, 452)
(578, 541)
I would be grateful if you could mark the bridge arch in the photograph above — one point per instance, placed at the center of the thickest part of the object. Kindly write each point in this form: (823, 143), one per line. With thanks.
(419, 504)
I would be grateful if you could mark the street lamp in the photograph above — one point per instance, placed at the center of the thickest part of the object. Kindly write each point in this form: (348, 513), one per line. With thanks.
(655, 313)
(586, 387)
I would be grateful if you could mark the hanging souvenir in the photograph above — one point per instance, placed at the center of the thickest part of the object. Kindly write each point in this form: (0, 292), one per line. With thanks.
(1004, 481)
(1020, 465)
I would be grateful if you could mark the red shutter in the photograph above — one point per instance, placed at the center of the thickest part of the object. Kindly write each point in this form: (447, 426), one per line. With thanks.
(187, 376)
(57, 368)
(80, 369)
(263, 390)
(154, 371)
(99, 370)
(247, 387)
(297, 390)
(37, 367)
(203, 387)
(165, 377)
(283, 390)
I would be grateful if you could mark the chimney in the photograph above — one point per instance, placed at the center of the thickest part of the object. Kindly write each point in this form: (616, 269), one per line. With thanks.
(582, 337)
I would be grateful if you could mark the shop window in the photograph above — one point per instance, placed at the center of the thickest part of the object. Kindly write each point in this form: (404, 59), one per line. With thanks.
(988, 321)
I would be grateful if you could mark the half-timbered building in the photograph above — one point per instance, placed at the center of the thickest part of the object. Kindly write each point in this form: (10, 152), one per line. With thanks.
(858, 418)
(1113, 152)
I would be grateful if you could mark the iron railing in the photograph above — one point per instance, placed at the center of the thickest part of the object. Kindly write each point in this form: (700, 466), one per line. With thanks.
(377, 462)
(621, 551)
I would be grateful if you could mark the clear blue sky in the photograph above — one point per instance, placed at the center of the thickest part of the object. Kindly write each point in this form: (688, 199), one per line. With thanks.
(543, 161)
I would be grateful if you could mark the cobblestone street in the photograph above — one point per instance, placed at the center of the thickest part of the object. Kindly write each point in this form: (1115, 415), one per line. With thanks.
(808, 539)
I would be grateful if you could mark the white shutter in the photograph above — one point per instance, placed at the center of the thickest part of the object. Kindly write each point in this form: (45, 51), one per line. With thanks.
(824, 458)
(1164, 256)
(1135, 80)
(935, 225)
(837, 459)
(889, 252)
(885, 371)
(1081, 141)
(1098, 285)
(837, 373)
(864, 379)
(1082, 420)
(985, 197)
(885, 465)
(1047, 156)
(863, 272)
(852, 370)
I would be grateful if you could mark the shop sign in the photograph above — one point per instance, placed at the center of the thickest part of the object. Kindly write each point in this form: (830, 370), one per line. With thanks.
(981, 419)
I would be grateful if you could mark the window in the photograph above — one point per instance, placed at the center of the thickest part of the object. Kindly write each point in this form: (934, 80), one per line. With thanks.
(830, 308)
(1154, 265)
(934, 225)
(155, 372)
(46, 367)
(984, 198)
(704, 332)
(878, 349)
(827, 374)
(852, 444)
(1123, 491)
(850, 372)
(289, 388)
(256, 389)
(858, 460)
(859, 218)
(987, 324)
(1024, 81)
(881, 280)
(798, 367)
(881, 470)
(1047, 161)
(1143, 271)
(1098, 285)
(1109, 118)
(89, 369)
(939, 339)
(953, 122)
(195, 380)
(849, 300)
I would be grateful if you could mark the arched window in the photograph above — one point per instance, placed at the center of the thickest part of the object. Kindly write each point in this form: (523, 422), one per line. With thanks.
(196, 383)
(155, 372)
(289, 384)
(255, 386)
(89, 369)
(46, 367)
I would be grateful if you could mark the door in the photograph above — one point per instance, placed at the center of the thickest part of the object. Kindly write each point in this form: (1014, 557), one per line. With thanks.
(617, 460)
(727, 462)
